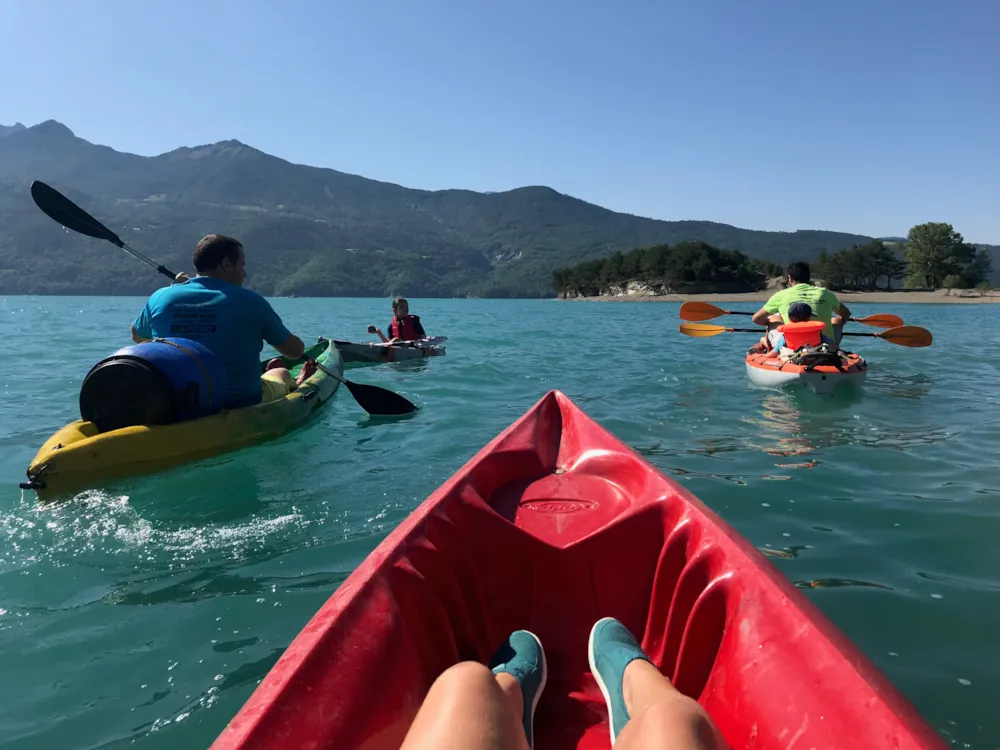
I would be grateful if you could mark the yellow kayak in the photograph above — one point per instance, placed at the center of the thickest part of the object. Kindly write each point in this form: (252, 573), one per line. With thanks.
(78, 456)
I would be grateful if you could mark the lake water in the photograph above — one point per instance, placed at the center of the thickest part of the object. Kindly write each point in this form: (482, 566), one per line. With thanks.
(144, 614)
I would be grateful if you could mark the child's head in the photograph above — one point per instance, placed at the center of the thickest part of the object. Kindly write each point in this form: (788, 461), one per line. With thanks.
(799, 312)
(400, 306)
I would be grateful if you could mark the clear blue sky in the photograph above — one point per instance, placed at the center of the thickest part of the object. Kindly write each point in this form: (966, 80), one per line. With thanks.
(853, 115)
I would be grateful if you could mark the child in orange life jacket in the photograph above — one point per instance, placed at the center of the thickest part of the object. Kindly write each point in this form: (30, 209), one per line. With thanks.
(798, 312)
(403, 326)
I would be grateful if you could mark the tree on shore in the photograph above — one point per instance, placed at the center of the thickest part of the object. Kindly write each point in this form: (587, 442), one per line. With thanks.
(662, 268)
(936, 253)
(933, 256)
(860, 267)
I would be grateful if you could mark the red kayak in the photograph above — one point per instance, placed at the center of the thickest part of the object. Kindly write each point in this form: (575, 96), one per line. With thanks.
(552, 526)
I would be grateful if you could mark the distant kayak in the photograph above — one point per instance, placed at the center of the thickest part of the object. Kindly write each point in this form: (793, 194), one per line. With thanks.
(398, 352)
(849, 372)
(79, 455)
(552, 526)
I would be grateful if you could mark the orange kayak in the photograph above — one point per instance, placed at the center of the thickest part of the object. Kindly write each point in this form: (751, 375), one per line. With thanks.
(552, 526)
(823, 379)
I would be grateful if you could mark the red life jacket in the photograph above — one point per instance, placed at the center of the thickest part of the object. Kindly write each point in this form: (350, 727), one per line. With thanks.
(403, 328)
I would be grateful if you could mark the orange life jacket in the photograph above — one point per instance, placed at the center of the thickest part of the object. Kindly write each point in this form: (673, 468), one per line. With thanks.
(808, 333)
(403, 328)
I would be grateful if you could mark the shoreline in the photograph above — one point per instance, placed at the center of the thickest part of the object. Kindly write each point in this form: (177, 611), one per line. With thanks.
(848, 298)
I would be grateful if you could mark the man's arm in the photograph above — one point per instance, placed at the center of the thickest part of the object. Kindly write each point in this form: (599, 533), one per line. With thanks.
(292, 347)
(137, 337)
(142, 327)
(770, 307)
(760, 317)
(420, 329)
(838, 307)
(274, 332)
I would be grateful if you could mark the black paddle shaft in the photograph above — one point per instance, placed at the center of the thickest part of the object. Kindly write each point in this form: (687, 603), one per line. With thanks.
(62, 210)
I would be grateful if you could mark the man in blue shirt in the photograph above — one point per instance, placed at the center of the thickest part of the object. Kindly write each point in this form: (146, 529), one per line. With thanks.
(214, 309)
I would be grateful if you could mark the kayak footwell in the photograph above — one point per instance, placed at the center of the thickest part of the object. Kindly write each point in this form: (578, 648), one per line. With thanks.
(552, 526)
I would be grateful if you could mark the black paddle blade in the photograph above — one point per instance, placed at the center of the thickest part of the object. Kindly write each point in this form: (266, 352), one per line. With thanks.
(379, 401)
(61, 209)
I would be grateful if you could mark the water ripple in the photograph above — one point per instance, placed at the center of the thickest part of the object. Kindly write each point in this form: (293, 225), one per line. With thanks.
(153, 606)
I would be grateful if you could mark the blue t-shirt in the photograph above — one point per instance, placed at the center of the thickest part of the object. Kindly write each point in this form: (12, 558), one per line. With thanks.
(231, 321)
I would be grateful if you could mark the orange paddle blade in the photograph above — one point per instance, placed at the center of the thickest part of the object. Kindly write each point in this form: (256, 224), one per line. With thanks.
(700, 311)
(912, 336)
(701, 330)
(881, 320)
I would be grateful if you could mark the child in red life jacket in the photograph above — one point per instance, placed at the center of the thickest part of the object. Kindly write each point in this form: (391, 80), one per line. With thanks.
(403, 326)
(798, 312)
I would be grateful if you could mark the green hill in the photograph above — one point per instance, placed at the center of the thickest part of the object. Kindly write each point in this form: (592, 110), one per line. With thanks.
(312, 231)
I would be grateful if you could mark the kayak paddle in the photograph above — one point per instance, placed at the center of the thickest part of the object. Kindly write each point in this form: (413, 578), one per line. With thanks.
(880, 320)
(64, 211)
(372, 398)
(911, 336)
(698, 311)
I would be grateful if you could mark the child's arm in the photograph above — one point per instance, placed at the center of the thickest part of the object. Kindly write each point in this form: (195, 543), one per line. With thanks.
(373, 329)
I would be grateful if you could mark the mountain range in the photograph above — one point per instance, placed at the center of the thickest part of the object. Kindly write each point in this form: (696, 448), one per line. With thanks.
(311, 231)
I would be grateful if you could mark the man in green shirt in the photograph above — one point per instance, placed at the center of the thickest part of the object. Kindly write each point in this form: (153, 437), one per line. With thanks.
(825, 305)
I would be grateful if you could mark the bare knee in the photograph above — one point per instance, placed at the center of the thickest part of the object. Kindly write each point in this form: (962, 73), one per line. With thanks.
(466, 675)
(682, 720)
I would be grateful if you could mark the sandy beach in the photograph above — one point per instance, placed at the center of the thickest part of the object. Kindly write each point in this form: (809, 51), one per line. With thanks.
(939, 297)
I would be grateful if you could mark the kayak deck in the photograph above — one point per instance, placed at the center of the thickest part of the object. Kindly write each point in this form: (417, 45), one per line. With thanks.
(77, 455)
(553, 525)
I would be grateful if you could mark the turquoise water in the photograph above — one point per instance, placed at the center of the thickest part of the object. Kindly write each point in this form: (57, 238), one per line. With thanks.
(144, 614)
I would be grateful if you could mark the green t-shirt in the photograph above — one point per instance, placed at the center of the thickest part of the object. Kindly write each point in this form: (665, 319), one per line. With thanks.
(822, 301)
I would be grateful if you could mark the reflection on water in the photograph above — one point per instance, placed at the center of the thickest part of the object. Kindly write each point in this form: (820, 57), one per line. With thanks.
(831, 583)
(785, 429)
(376, 420)
(785, 552)
(407, 365)
(912, 387)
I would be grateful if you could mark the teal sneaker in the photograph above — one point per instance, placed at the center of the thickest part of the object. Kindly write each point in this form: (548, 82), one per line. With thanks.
(522, 656)
(610, 650)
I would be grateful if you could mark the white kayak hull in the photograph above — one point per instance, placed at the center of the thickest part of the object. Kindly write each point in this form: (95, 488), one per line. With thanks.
(383, 352)
(821, 380)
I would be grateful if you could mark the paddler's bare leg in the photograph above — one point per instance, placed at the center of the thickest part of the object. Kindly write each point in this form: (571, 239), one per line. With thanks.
(276, 370)
(469, 708)
(485, 708)
(644, 709)
(661, 716)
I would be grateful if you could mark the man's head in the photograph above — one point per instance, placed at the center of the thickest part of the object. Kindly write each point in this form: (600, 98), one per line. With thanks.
(799, 312)
(798, 273)
(220, 257)
(400, 307)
